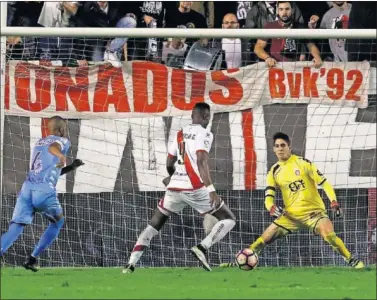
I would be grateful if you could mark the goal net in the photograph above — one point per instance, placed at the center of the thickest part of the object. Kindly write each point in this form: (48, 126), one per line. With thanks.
(121, 121)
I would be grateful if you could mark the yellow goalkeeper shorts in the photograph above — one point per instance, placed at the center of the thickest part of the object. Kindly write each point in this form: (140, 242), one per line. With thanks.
(294, 223)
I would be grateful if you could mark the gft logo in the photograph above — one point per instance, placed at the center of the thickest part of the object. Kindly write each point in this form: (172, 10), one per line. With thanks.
(297, 185)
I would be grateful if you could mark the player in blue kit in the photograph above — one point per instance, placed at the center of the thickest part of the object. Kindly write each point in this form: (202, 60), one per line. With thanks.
(38, 193)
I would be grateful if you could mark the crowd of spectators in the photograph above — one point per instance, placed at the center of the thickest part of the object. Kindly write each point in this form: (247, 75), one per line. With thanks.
(232, 53)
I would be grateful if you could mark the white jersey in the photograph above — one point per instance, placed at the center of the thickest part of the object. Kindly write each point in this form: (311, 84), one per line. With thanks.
(187, 143)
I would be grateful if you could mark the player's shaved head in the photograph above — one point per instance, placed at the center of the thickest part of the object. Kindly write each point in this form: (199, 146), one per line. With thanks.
(201, 114)
(57, 126)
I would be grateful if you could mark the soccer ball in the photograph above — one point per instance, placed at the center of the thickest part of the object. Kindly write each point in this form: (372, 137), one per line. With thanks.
(246, 259)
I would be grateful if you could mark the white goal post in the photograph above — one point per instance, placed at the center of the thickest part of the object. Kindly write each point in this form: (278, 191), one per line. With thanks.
(190, 33)
(329, 112)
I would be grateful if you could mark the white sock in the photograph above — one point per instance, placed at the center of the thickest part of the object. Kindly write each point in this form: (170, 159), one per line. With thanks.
(143, 241)
(218, 231)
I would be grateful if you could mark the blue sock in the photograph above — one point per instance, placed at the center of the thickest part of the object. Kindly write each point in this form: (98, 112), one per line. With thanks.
(8, 238)
(48, 237)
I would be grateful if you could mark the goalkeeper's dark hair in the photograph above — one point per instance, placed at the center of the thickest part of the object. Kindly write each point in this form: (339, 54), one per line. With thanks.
(202, 107)
(283, 136)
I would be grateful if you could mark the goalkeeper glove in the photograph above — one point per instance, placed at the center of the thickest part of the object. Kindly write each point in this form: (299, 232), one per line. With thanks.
(276, 211)
(336, 208)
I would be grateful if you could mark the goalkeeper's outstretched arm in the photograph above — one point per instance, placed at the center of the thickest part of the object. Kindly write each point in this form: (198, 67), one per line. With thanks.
(321, 180)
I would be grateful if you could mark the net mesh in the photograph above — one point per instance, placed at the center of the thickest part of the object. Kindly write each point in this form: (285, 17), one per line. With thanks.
(109, 201)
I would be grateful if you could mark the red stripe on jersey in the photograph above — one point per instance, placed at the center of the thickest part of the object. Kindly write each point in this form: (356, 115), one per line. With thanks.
(194, 178)
(6, 83)
(250, 154)
(138, 248)
(161, 205)
(201, 150)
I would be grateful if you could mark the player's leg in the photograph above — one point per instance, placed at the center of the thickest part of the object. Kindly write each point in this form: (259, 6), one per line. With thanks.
(325, 228)
(157, 222)
(270, 235)
(226, 222)
(278, 229)
(200, 201)
(170, 203)
(22, 215)
(49, 205)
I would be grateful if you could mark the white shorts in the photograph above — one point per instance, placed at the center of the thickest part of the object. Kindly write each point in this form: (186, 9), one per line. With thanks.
(176, 201)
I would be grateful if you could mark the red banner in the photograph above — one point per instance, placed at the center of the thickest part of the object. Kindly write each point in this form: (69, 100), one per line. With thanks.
(140, 88)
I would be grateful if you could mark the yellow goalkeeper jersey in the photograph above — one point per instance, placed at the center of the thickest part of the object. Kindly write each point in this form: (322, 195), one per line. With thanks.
(297, 178)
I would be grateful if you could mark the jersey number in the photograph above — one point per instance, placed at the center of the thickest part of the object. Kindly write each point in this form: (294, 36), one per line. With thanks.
(182, 153)
(36, 165)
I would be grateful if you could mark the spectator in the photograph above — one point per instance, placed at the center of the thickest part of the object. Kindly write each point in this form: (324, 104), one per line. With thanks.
(56, 14)
(11, 9)
(264, 12)
(173, 54)
(151, 15)
(207, 10)
(185, 17)
(337, 18)
(232, 47)
(285, 49)
(313, 8)
(115, 46)
(238, 8)
(313, 11)
(153, 10)
(25, 14)
(94, 14)
(362, 16)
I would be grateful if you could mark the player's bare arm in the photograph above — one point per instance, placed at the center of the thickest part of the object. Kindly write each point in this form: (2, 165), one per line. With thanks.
(203, 167)
(170, 162)
(55, 150)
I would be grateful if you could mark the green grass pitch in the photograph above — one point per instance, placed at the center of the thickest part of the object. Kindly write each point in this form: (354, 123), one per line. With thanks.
(190, 283)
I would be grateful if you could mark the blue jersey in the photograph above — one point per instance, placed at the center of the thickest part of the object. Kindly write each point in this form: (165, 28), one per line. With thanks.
(43, 168)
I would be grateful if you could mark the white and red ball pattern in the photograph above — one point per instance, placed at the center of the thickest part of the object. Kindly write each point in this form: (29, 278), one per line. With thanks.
(246, 259)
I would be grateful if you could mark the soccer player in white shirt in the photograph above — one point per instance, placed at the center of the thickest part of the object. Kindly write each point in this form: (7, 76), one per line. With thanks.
(190, 184)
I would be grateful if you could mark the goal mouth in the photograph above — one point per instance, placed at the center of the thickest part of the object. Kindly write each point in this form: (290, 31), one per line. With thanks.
(121, 121)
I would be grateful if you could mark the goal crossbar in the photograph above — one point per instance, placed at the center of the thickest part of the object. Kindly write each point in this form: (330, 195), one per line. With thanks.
(189, 33)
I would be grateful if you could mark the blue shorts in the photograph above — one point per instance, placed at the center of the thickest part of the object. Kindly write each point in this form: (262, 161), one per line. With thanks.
(36, 198)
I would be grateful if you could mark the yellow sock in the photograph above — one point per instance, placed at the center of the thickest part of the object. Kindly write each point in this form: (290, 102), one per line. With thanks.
(338, 245)
(258, 245)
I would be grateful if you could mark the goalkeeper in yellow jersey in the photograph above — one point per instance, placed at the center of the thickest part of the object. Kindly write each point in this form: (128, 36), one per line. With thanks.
(297, 179)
